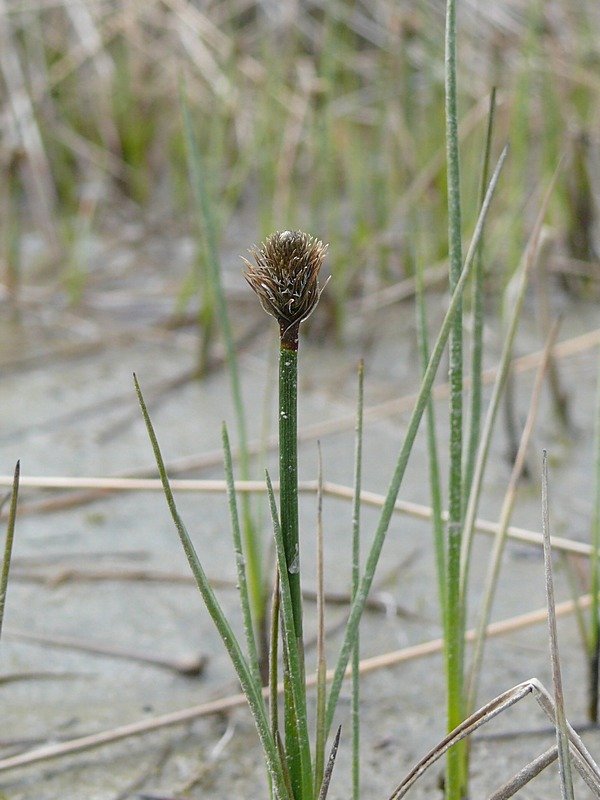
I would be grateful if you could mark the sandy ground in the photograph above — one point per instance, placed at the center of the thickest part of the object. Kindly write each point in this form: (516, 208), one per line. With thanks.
(68, 407)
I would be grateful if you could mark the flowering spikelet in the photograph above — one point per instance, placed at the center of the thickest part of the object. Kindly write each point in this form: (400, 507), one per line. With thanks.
(285, 277)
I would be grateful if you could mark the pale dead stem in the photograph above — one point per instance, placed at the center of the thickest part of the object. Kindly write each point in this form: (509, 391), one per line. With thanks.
(581, 758)
(565, 349)
(222, 705)
(417, 510)
(192, 664)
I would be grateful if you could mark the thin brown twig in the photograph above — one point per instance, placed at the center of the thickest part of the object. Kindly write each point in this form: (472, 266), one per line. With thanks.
(184, 665)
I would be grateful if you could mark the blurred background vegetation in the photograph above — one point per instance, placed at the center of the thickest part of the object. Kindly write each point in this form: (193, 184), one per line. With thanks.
(326, 116)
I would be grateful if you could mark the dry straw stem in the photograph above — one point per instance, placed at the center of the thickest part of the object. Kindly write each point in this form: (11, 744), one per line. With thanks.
(583, 761)
(222, 705)
(417, 510)
(566, 349)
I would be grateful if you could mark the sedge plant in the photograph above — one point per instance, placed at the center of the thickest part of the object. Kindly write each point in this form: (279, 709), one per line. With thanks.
(285, 278)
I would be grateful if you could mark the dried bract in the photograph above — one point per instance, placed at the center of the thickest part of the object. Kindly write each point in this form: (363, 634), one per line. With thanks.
(285, 277)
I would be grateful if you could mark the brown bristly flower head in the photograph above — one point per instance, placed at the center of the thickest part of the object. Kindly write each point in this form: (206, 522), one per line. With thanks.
(286, 274)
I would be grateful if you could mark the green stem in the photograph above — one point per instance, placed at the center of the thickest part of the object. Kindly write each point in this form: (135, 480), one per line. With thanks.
(240, 561)
(434, 468)
(594, 564)
(454, 623)
(321, 704)
(477, 329)
(355, 707)
(288, 465)
(288, 479)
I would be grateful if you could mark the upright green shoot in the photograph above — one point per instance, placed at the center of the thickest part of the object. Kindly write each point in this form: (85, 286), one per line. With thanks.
(320, 738)
(455, 777)
(240, 562)
(355, 708)
(434, 470)
(594, 629)
(477, 325)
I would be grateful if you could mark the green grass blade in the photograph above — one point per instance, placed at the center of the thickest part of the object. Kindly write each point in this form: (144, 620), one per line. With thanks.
(388, 509)
(434, 471)
(320, 737)
(251, 541)
(240, 562)
(594, 625)
(8, 544)
(521, 278)
(355, 706)
(288, 475)
(251, 689)
(476, 383)
(455, 777)
(273, 658)
(301, 773)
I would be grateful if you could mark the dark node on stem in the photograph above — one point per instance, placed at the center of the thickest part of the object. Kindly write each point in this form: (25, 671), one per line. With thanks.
(285, 279)
(288, 335)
